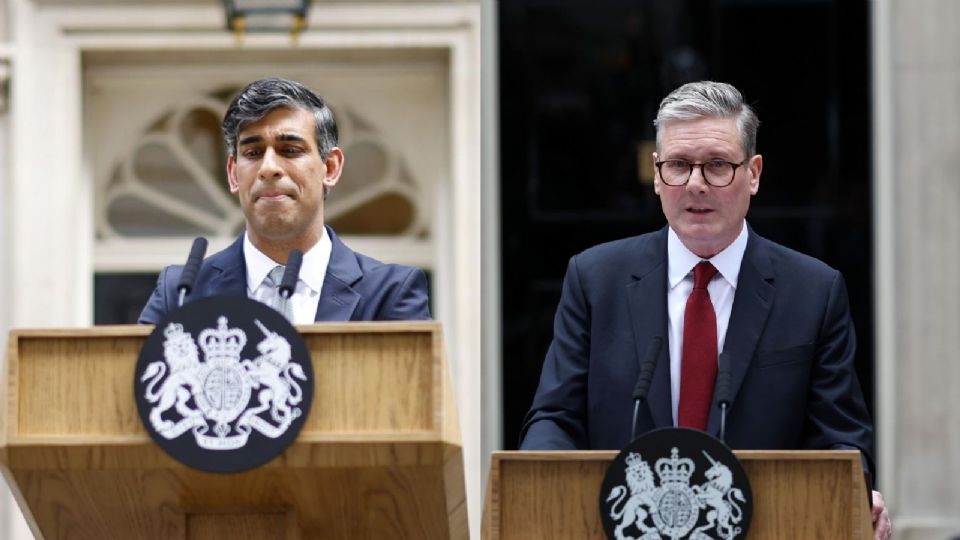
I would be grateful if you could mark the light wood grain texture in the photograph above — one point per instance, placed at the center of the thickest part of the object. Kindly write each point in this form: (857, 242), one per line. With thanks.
(379, 455)
(240, 525)
(796, 495)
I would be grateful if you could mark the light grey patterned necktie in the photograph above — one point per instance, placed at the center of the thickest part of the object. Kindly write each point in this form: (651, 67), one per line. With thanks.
(276, 301)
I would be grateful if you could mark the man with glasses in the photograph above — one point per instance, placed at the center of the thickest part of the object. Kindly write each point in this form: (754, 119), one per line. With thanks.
(705, 284)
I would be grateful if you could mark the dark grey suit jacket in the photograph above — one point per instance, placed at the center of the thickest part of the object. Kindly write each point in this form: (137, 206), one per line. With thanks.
(790, 339)
(355, 288)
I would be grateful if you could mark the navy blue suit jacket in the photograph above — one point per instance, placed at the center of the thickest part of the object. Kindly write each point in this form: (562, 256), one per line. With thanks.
(790, 339)
(355, 288)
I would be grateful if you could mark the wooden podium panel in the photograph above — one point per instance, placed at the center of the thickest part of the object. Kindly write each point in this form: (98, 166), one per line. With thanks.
(379, 454)
(796, 495)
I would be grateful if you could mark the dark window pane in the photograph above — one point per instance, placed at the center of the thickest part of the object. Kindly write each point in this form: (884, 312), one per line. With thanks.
(119, 298)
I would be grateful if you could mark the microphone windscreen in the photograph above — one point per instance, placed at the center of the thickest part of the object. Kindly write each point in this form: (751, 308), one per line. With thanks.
(190, 269)
(647, 368)
(723, 379)
(291, 273)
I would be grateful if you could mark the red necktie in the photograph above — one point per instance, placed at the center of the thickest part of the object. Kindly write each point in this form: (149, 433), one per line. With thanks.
(698, 366)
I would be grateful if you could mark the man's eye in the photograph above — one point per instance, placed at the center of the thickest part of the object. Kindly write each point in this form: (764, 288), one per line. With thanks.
(717, 165)
(292, 150)
(676, 165)
(251, 153)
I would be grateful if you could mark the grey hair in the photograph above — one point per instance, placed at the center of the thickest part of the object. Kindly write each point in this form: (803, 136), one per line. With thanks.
(261, 97)
(708, 99)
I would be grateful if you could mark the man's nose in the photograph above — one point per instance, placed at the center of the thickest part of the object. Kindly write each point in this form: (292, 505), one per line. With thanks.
(697, 182)
(270, 165)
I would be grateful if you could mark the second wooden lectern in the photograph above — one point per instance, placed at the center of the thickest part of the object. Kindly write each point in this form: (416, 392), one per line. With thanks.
(797, 495)
(379, 456)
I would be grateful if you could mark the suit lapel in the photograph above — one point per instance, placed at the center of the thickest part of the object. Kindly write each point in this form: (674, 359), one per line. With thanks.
(232, 276)
(338, 299)
(647, 301)
(751, 306)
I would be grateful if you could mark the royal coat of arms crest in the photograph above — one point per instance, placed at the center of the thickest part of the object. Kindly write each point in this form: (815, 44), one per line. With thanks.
(221, 385)
(672, 509)
(676, 483)
(224, 383)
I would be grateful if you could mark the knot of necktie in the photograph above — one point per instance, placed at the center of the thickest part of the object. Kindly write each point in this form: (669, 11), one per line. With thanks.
(277, 301)
(275, 276)
(703, 273)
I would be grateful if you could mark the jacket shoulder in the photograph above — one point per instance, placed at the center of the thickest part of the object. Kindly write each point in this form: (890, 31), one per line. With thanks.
(377, 270)
(623, 253)
(790, 262)
(391, 291)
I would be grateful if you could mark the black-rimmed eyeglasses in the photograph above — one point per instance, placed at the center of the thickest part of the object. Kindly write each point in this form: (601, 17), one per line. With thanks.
(717, 172)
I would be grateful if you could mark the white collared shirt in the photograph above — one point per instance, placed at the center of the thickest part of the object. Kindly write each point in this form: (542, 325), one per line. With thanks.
(306, 296)
(680, 263)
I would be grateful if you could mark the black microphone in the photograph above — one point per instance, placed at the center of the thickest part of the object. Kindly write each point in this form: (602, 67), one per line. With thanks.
(288, 283)
(723, 390)
(189, 274)
(291, 273)
(644, 379)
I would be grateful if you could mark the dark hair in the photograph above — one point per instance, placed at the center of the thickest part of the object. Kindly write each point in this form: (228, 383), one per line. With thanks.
(261, 97)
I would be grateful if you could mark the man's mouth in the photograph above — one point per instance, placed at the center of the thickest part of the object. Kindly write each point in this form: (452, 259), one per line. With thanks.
(699, 210)
(273, 196)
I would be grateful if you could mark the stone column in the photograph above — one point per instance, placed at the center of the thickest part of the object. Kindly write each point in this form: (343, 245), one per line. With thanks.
(917, 201)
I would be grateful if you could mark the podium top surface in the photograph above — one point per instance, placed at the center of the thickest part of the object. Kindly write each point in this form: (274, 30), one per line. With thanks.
(143, 330)
(374, 381)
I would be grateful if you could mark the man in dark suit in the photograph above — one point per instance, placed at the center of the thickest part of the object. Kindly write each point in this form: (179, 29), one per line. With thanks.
(283, 160)
(704, 284)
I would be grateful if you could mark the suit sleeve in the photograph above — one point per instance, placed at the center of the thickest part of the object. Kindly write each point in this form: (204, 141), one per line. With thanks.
(837, 416)
(410, 301)
(157, 306)
(557, 419)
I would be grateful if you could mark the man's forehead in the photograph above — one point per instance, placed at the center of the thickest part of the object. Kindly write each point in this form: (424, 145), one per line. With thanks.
(280, 123)
(702, 124)
(710, 131)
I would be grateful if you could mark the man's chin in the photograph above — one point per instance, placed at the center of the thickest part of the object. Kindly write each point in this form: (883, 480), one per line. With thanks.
(702, 239)
(697, 232)
(274, 228)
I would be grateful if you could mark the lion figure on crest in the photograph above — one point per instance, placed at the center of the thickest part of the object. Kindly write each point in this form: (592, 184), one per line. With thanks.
(642, 489)
(181, 355)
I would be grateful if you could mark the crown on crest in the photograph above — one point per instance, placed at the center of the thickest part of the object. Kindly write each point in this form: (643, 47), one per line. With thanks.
(175, 334)
(177, 340)
(634, 462)
(223, 342)
(675, 469)
(179, 350)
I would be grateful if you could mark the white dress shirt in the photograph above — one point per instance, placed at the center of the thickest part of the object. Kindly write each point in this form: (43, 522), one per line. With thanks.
(680, 263)
(306, 296)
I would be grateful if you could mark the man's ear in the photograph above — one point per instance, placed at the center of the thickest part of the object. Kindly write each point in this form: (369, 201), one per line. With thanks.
(334, 165)
(232, 174)
(755, 167)
(656, 176)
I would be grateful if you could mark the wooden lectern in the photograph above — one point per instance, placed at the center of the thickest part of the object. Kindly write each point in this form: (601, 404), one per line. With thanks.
(796, 495)
(378, 457)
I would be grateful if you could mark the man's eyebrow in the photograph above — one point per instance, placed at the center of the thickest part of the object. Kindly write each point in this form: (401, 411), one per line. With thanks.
(290, 137)
(286, 137)
(251, 139)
